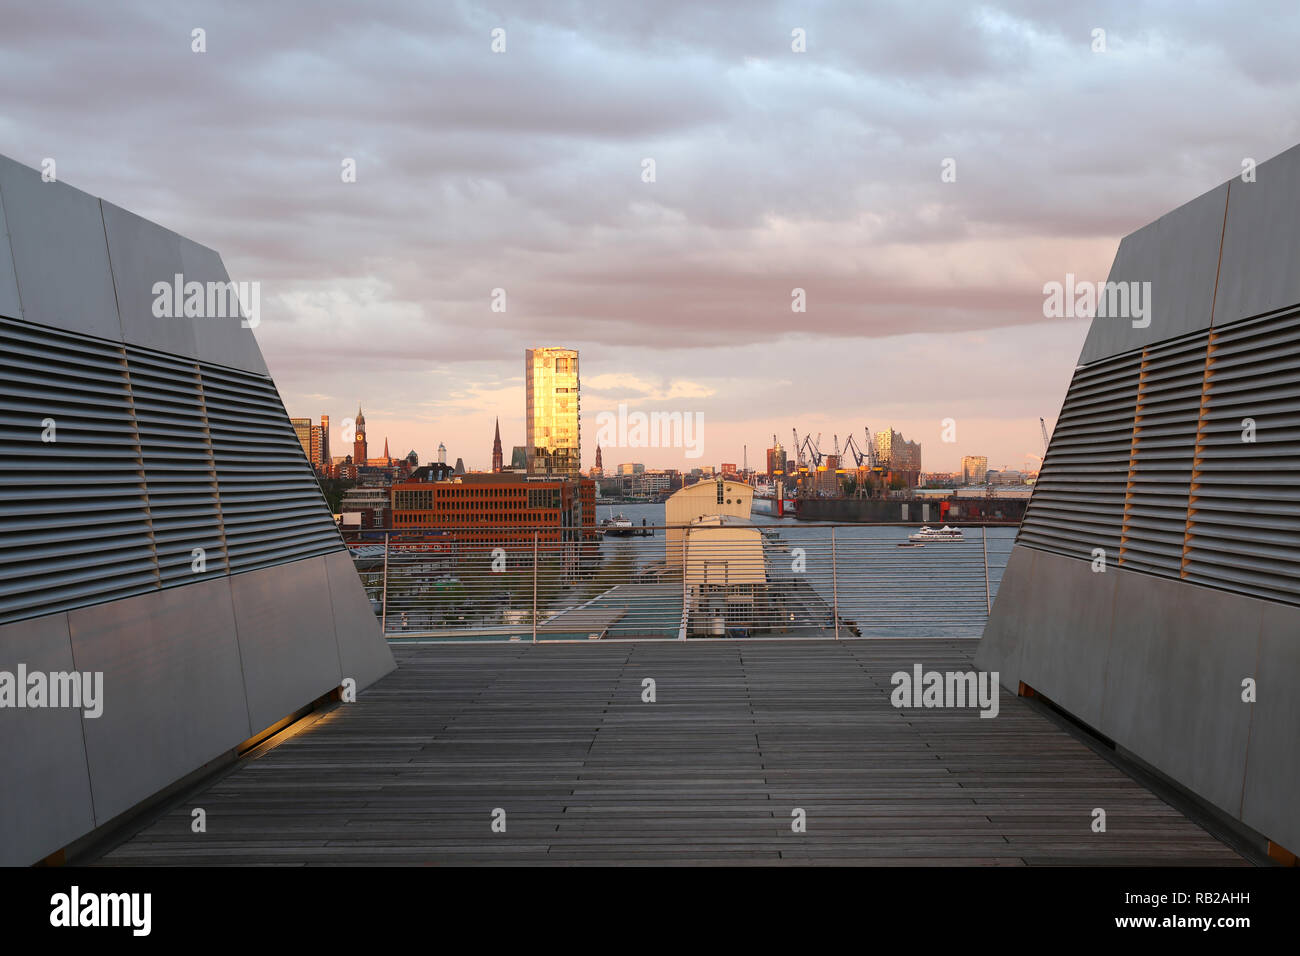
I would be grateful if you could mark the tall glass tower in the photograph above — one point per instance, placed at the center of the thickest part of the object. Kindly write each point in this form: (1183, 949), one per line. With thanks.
(552, 414)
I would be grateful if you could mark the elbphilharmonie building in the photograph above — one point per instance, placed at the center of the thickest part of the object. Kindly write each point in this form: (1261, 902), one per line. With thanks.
(160, 525)
(1154, 589)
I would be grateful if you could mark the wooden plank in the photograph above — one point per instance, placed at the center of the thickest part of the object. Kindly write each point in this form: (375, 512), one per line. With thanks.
(740, 734)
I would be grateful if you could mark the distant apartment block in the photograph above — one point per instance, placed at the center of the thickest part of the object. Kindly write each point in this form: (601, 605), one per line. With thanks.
(315, 440)
(973, 469)
(1007, 476)
(364, 508)
(776, 460)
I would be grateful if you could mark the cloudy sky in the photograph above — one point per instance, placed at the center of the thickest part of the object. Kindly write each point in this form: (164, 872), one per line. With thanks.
(523, 170)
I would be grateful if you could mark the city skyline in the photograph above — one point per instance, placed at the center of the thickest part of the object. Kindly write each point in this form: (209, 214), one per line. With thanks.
(934, 454)
(774, 170)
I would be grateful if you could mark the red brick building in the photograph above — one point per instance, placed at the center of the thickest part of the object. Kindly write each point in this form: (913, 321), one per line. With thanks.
(489, 508)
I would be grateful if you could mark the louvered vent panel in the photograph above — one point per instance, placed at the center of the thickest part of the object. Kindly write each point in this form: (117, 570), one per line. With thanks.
(1244, 530)
(1164, 446)
(178, 466)
(74, 525)
(1078, 501)
(270, 502)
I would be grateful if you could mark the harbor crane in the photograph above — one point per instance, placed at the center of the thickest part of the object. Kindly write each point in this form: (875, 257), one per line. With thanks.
(813, 449)
(808, 453)
(852, 451)
(871, 446)
(1042, 426)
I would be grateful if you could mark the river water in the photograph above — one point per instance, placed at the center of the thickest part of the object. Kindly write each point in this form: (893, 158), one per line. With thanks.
(937, 591)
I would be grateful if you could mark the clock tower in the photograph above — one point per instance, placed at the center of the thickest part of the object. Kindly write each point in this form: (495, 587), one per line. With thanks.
(359, 442)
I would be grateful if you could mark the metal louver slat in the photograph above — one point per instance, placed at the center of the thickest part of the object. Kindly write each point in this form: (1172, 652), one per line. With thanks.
(74, 529)
(1164, 450)
(1244, 519)
(178, 467)
(1078, 501)
(271, 504)
(1205, 458)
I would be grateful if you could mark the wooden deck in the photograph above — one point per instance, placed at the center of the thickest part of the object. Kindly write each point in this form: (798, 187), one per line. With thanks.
(742, 733)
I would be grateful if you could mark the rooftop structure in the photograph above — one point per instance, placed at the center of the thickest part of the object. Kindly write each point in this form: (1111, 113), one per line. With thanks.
(173, 538)
(720, 497)
(1154, 590)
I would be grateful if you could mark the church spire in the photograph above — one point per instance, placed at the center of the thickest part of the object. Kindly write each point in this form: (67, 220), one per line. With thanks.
(497, 457)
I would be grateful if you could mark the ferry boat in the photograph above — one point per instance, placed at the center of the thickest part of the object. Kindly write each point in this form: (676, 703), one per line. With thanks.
(618, 525)
(940, 534)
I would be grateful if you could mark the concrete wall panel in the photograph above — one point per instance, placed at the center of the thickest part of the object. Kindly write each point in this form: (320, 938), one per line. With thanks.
(1272, 794)
(173, 689)
(1003, 641)
(141, 254)
(10, 307)
(222, 341)
(193, 670)
(1173, 683)
(44, 784)
(1261, 246)
(286, 638)
(1179, 255)
(363, 652)
(60, 256)
(1071, 634)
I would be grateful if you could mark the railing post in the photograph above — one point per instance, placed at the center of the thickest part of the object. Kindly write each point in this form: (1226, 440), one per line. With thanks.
(383, 593)
(534, 587)
(988, 600)
(835, 586)
(686, 610)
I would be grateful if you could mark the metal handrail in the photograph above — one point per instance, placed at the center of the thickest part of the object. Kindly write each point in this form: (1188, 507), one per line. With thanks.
(806, 579)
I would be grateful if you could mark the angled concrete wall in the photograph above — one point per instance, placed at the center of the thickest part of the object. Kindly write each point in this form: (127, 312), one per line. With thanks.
(192, 665)
(1201, 583)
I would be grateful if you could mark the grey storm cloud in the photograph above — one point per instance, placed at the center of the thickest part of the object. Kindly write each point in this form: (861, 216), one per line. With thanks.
(522, 170)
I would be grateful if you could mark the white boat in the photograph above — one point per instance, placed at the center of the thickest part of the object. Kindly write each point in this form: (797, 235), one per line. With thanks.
(937, 534)
(617, 525)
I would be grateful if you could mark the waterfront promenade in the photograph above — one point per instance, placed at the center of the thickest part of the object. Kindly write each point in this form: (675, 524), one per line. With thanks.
(741, 734)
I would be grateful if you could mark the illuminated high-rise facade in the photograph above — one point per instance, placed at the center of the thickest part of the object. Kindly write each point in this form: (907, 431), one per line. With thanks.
(552, 412)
